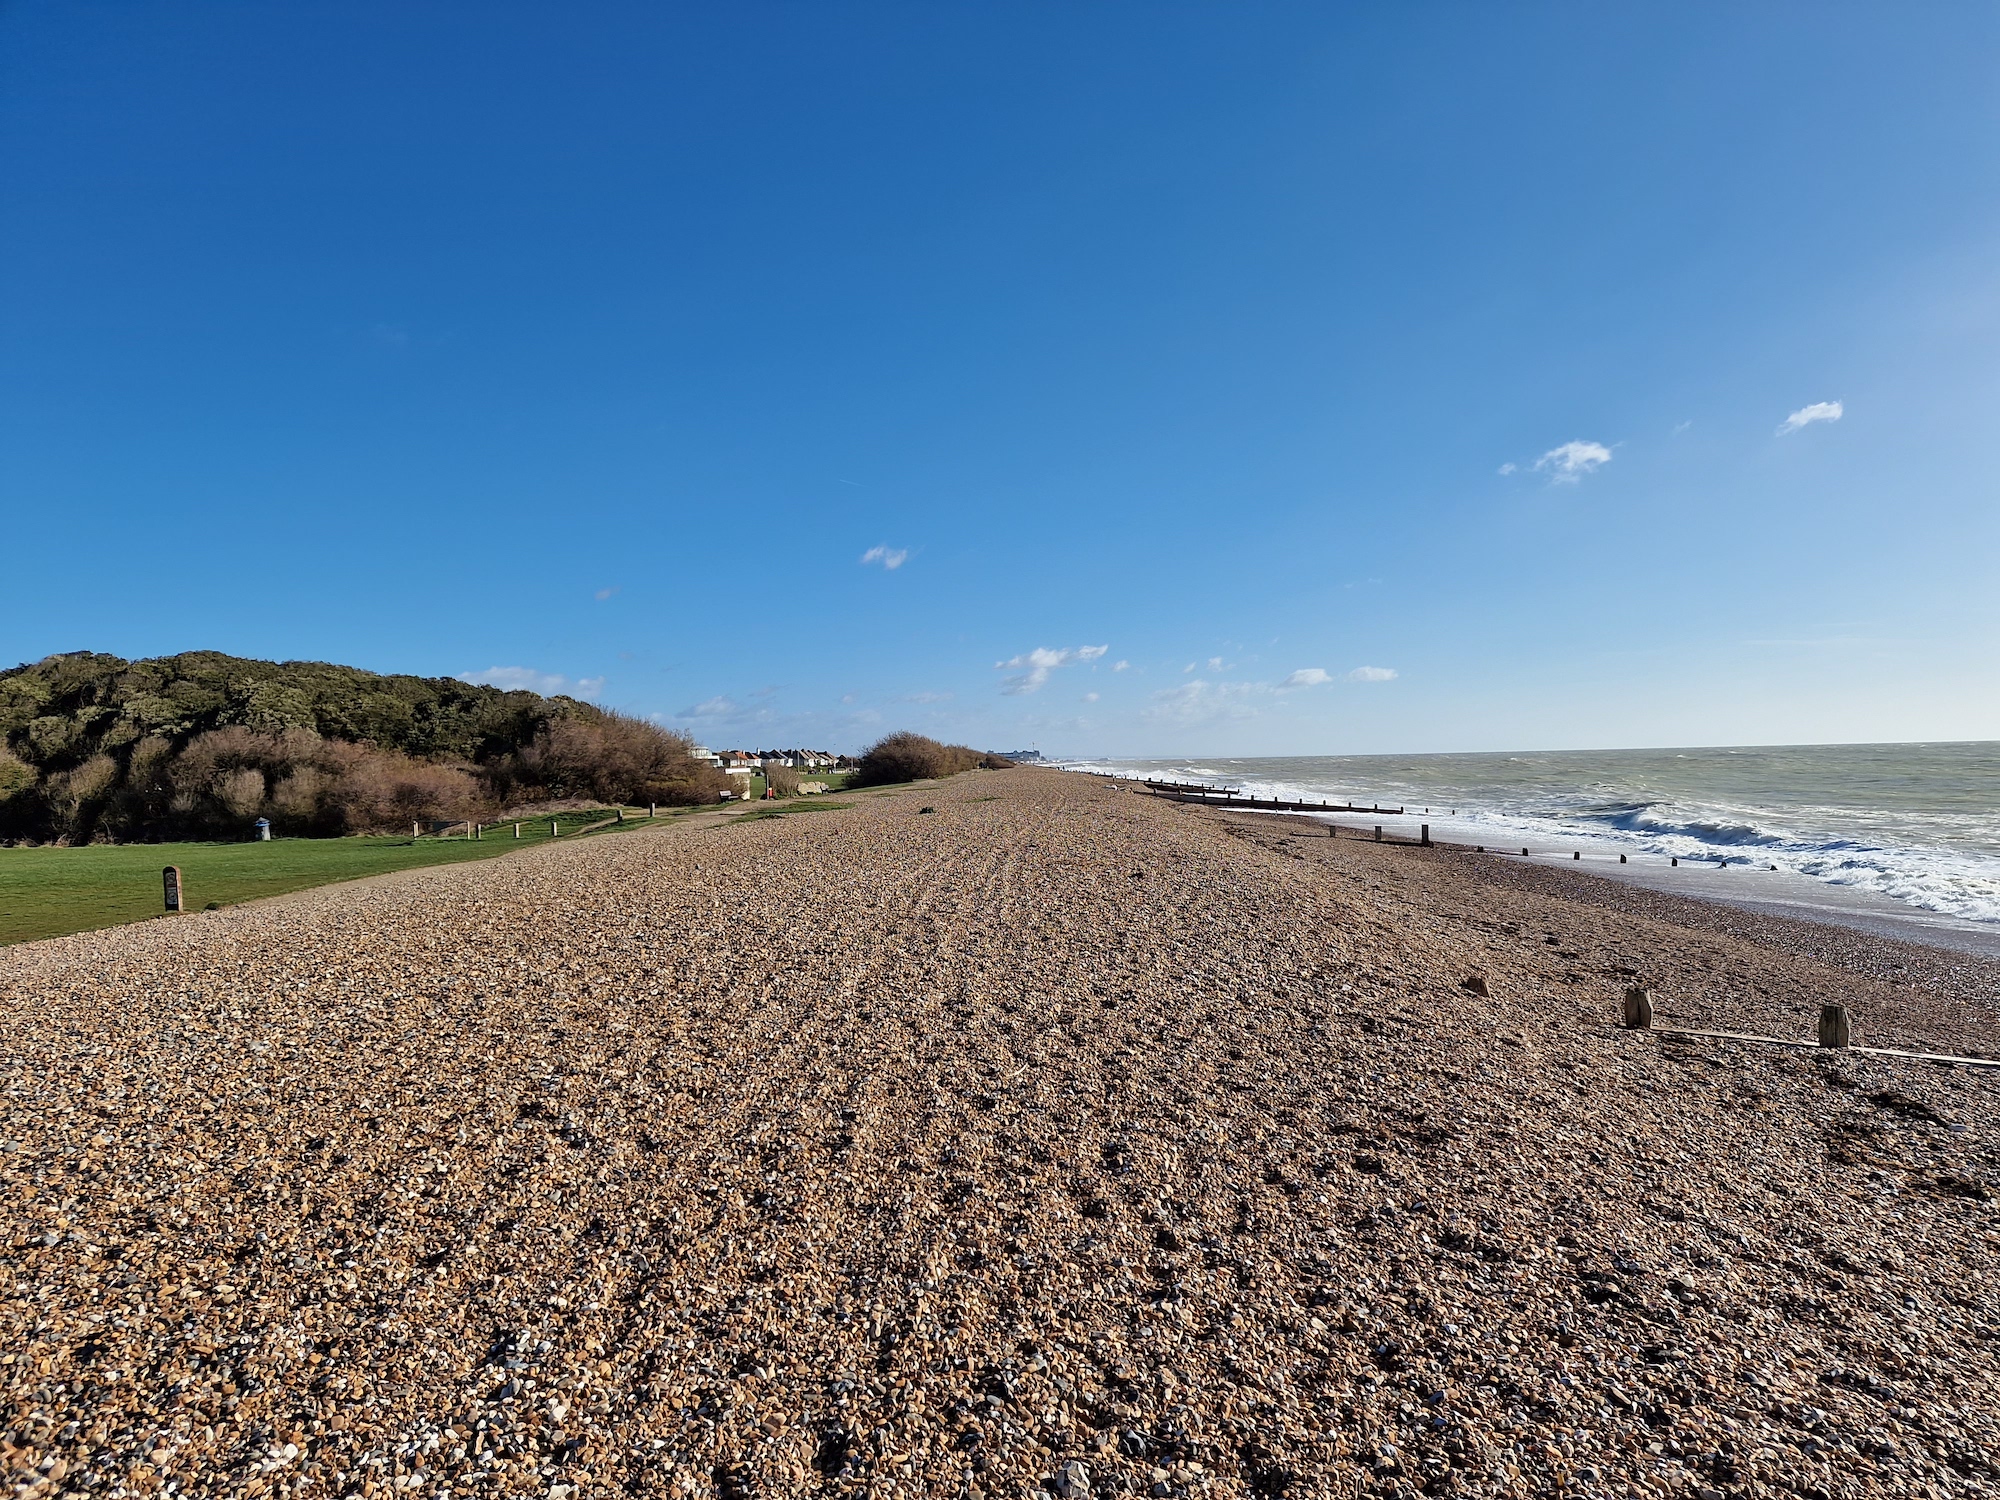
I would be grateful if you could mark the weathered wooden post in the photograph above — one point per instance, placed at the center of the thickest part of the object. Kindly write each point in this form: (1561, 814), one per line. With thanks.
(1378, 833)
(1675, 862)
(517, 830)
(1427, 835)
(1524, 854)
(1576, 854)
(621, 814)
(1638, 1007)
(1834, 1030)
(652, 809)
(1621, 859)
(1332, 832)
(170, 877)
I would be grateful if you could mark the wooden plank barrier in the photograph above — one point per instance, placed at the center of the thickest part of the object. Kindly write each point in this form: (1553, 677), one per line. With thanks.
(1835, 1032)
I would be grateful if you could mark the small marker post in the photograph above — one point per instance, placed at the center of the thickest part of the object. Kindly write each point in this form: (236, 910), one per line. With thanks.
(1378, 833)
(170, 878)
(1638, 1008)
(1834, 1028)
(1427, 834)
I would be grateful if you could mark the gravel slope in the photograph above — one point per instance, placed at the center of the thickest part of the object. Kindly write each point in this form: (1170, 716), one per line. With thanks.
(1059, 1139)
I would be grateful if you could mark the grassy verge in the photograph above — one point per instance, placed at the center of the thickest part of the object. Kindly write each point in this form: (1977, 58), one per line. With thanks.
(50, 892)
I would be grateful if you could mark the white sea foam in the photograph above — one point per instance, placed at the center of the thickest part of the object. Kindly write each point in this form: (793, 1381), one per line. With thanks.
(1919, 824)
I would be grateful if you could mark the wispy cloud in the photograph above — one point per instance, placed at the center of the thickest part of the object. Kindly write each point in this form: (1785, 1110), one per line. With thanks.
(718, 707)
(1090, 697)
(1034, 666)
(1570, 462)
(890, 558)
(605, 593)
(1307, 677)
(926, 697)
(1509, 468)
(1200, 701)
(1805, 416)
(1372, 674)
(527, 679)
(1120, 665)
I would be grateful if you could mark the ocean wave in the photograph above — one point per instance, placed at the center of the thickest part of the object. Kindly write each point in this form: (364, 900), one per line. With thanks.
(1871, 850)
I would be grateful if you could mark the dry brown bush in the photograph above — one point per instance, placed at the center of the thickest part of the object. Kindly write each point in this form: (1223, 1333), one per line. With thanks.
(614, 758)
(906, 756)
(782, 780)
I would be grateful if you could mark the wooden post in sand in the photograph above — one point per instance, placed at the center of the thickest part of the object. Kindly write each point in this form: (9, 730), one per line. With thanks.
(1834, 1030)
(1427, 836)
(1378, 833)
(1638, 1008)
(170, 877)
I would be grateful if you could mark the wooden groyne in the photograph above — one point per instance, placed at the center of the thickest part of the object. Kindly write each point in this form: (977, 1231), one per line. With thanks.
(1219, 796)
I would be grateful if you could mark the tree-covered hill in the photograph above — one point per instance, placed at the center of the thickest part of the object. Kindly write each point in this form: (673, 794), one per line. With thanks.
(94, 746)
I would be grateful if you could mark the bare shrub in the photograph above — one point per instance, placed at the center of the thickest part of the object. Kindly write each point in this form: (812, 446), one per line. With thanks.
(616, 758)
(906, 756)
(241, 792)
(381, 789)
(782, 780)
(298, 800)
(73, 796)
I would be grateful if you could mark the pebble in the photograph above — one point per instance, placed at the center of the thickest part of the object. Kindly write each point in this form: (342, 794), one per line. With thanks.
(937, 1156)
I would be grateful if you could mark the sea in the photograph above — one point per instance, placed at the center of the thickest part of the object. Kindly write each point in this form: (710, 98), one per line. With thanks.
(1910, 828)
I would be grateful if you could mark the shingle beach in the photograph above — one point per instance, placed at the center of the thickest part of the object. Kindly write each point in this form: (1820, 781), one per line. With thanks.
(1059, 1139)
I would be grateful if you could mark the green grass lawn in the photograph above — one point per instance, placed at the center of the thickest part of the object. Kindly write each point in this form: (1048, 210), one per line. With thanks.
(49, 892)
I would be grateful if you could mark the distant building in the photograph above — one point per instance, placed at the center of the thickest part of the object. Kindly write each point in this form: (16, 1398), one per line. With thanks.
(1020, 754)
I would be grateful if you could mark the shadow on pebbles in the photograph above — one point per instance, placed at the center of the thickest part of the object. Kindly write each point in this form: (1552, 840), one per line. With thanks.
(1063, 1141)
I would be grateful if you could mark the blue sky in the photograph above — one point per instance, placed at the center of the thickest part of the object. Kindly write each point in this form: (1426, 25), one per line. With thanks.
(1119, 378)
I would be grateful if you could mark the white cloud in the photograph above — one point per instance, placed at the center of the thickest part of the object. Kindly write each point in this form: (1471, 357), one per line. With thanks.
(925, 697)
(1372, 674)
(1307, 677)
(604, 593)
(1034, 666)
(891, 558)
(1215, 664)
(1805, 416)
(1199, 701)
(1090, 697)
(718, 707)
(1508, 468)
(527, 679)
(1570, 462)
(1120, 665)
